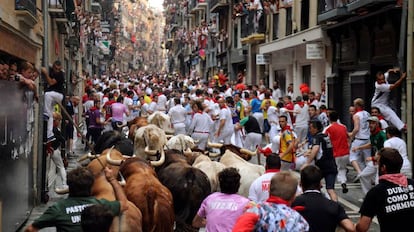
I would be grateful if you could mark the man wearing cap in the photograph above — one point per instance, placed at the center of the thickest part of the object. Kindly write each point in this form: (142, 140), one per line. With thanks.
(376, 142)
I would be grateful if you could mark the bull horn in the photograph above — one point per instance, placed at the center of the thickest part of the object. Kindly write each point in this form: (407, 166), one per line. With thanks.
(62, 191)
(112, 161)
(247, 151)
(150, 152)
(188, 151)
(159, 162)
(122, 125)
(214, 145)
(87, 156)
(196, 141)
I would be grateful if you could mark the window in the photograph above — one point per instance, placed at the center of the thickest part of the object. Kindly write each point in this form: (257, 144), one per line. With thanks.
(306, 74)
(275, 26)
(289, 21)
(304, 19)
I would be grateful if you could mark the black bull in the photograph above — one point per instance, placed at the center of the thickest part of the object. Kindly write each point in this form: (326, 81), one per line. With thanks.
(188, 185)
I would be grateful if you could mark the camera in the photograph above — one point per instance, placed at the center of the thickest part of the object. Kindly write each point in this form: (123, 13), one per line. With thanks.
(17, 78)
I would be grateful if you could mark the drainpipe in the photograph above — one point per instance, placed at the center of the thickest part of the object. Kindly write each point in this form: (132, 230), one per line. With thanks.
(409, 7)
(40, 180)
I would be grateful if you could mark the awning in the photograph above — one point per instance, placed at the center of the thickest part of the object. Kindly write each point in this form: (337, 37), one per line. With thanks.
(292, 40)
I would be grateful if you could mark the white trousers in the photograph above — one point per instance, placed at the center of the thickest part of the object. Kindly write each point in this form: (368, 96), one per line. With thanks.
(368, 176)
(252, 141)
(56, 169)
(179, 128)
(51, 98)
(341, 163)
(390, 116)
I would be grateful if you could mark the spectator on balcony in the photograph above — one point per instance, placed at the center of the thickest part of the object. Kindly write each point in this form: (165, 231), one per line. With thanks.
(202, 36)
(256, 10)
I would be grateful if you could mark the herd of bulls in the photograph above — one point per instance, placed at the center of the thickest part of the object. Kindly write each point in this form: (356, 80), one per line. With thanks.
(165, 181)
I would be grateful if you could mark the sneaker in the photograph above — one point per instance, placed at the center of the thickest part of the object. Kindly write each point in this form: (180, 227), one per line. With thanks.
(344, 188)
(50, 139)
(62, 190)
(356, 179)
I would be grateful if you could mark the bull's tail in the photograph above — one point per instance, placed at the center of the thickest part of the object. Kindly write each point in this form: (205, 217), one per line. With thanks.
(160, 213)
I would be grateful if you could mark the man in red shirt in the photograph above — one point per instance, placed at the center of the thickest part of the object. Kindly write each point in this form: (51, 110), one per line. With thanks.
(339, 138)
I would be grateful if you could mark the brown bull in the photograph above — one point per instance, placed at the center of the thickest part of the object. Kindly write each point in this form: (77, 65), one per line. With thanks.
(131, 219)
(145, 190)
(188, 185)
(134, 125)
(242, 152)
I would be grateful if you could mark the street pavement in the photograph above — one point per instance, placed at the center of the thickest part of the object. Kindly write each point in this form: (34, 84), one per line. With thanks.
(351, 200)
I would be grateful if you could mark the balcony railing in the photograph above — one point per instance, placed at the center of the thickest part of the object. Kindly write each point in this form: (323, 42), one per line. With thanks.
(196, 5)
(28, 5)
(254, 28)
(332, 10)
(215, 5)
(57, 8)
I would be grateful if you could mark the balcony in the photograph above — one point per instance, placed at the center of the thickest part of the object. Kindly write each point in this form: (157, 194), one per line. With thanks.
(196, 5)
(57, 9)
(217, 5)
(358, 4)
(26, 12)
(252, 32)
(331, 12)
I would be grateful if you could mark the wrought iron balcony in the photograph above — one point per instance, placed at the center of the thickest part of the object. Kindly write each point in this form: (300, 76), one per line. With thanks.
(216, 5)
(26, 5)
(26, 12)
(357, 4)
(57, 9)
(332, 11)
(252, 32)
(196, 5)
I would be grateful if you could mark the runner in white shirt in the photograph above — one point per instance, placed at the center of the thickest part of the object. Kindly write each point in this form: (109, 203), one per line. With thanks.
(162, 100)
(381, 97)
(225, 128)
(152, 107)
(301, 112)
(200, 125)
(178, 115)
(359, 136)
(395, 142)
(259, 189)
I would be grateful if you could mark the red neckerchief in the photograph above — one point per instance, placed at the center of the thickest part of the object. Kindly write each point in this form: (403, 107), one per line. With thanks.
(358, 110)
(376, 131)
(199, 112)
(278, 200)
(397, 178)
(93, 108)
(380, 117)
(272, 170)
(287, 127)
(301, 103)
(223, 107)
